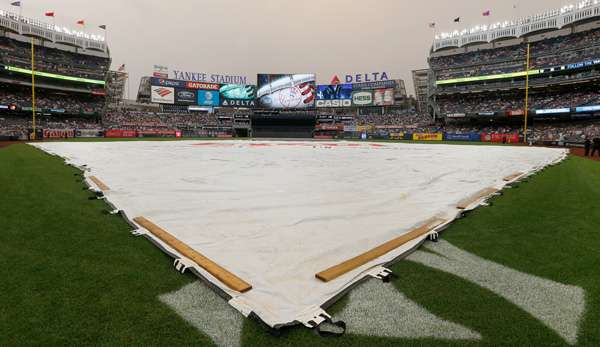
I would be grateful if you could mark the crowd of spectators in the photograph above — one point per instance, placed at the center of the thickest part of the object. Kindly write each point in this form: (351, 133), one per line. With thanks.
(539, 132)
(15, 53)
(72, 103)
(562, 50)
(20, 126)
(391, 119)
(572, 132)
(136, 120)
(511, 101)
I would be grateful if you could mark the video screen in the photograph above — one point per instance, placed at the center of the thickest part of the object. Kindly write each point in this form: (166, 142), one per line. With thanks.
(237, 95)
(383, 97)
(208, 98)
(278, 91)
(334, 92)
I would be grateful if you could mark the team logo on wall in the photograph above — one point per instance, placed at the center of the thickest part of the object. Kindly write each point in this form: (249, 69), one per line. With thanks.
(163, 95)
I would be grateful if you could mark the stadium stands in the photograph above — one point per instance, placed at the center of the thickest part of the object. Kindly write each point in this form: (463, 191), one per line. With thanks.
(479, 74)
(510, 101)
(51, 100)
(16, 53)
(546, 53)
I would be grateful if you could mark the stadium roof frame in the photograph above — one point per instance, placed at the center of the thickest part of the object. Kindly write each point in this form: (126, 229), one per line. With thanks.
(34, 28)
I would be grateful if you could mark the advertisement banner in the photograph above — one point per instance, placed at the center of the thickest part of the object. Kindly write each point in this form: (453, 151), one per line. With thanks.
(514, 113)
(337, 127)
(363, 128)
(161, 71)
(88, 133)
(390, 84)
(362, 98)
(334, 92)
(462, 137)
(58, 133)
(500, 138)
(280, 91)
(366, 77)
(350, 128)
(185, 97)
(164, 82)
(593, 108)
(553, 111)
(397, 136)
(99, 92)
(202, 85)
(333, 103)
(208, 98)
(120, 133)
(163, 95)
(428, 137)
(383, 97)
(238, 95)
(156, 133)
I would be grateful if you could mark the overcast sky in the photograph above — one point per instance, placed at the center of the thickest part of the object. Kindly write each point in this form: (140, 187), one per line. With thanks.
(243, 37)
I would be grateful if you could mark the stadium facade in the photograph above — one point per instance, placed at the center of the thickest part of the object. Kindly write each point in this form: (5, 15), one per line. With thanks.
(421, 84)
(481, 73)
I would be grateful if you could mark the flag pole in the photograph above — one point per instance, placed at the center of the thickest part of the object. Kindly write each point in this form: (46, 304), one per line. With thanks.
(527, 92)
(33, 87)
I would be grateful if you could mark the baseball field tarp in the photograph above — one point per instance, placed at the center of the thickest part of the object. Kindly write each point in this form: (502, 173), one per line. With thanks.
(277, 213)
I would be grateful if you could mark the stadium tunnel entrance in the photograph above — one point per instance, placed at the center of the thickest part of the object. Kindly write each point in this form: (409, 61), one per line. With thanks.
(295, 125)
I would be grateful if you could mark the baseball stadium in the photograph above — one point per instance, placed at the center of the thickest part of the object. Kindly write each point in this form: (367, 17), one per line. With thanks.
(291, 209)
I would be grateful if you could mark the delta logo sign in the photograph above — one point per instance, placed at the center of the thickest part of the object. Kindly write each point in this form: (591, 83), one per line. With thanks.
(361, 77)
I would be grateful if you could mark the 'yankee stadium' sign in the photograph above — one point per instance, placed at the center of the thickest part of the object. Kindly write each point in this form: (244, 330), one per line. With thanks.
(210, 78)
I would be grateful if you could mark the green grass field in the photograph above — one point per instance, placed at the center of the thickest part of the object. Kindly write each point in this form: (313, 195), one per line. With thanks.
(71, 275)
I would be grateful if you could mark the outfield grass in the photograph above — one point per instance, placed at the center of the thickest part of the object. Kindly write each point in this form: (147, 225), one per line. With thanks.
(74, 276)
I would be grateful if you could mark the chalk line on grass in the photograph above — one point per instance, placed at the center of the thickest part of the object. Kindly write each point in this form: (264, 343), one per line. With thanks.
(379, 309)
(558, 306)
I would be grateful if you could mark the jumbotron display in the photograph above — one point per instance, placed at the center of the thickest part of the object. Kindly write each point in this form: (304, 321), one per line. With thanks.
(338, 95)
(292, 91)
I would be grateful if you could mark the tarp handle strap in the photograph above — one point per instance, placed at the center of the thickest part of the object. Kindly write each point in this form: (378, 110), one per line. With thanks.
(328, 333)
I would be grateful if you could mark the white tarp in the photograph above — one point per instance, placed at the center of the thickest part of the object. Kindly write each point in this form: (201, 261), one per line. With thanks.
(276, 213)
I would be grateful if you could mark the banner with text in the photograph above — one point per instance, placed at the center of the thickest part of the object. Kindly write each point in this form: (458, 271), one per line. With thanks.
(428, 137)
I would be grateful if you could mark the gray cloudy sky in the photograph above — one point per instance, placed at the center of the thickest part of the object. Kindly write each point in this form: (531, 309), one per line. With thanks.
(248, 36)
